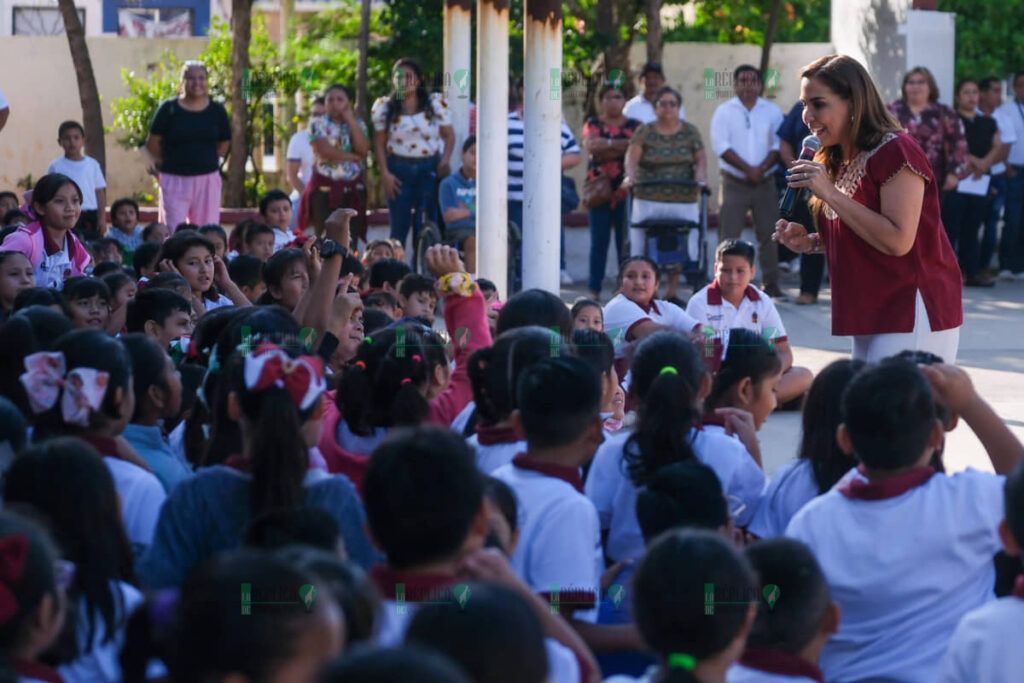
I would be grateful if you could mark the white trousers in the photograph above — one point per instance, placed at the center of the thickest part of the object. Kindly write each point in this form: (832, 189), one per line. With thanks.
(874, 347)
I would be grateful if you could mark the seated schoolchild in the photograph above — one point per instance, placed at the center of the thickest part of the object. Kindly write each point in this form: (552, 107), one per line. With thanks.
(636, 312)
(986, 643)
(730, 301)
(426, 510)
(878, 529)
(820, 462)
(795, 618)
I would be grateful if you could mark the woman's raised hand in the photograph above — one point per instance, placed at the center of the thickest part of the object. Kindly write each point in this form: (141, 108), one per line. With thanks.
(793, 236)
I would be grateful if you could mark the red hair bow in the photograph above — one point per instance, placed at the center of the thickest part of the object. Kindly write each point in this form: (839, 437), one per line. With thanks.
(13, 552)
(302, 377)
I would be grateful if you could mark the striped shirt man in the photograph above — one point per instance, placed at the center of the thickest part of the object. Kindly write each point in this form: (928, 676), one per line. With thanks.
(515, 153)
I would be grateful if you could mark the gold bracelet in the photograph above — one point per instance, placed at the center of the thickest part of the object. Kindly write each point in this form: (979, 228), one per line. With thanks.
(456, 283)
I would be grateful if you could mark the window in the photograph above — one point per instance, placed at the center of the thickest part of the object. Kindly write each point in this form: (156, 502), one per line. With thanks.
(135, 22)
(41, 21)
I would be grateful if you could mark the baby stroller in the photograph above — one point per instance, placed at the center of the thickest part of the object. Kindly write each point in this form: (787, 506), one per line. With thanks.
(673, 240)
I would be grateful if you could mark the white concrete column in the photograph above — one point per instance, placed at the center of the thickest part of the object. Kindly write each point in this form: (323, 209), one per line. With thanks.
(492, 142)
(542, 148)
(457, 70)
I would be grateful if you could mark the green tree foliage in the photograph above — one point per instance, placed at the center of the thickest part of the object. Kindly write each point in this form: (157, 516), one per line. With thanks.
(728, 21)
(987, 36)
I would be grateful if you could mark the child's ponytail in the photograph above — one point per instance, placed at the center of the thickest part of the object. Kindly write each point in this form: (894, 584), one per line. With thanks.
(667, 374)
(745, 354)
(278, 392)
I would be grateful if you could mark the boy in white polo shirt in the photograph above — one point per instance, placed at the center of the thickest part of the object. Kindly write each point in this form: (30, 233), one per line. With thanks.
(559, 551)
(986, 644)
(425, 508)
(906, 551)
(731, 301)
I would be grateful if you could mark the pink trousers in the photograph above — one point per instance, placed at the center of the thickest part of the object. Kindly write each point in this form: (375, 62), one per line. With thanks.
(189, 198)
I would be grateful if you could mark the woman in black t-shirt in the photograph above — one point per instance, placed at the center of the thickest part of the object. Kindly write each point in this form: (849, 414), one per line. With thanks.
(963, 212)
(188, 136)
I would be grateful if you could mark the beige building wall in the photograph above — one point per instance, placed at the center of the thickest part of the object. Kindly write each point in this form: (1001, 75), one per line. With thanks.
(38, 79)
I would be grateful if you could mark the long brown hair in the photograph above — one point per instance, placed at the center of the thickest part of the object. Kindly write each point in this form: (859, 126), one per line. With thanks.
(870, 119)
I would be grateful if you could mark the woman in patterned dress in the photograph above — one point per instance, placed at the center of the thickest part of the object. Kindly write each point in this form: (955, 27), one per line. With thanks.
(895, 279)
(340, 144)
(665, 149)
(413, 141)
(606, 138)
(934, 126)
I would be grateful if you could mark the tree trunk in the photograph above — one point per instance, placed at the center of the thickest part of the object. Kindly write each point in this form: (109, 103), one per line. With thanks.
(611, 15)
(362, 106)
(769, 36)
(654, 38)
(88, 93)
(241, 91)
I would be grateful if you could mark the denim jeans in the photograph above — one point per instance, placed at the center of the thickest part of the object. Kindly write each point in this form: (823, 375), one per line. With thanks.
(1011, 246)
(602, 219)
(995, 210)
(418, 194)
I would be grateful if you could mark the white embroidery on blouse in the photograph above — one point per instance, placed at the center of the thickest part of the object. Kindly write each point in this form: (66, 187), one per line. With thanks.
(851, 175)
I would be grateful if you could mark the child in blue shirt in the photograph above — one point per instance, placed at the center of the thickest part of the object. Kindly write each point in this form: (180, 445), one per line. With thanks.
(458, 204)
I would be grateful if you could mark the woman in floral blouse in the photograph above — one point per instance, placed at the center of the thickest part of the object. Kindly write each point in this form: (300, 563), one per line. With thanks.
(413, 140)
(934, 126)
(606, 138)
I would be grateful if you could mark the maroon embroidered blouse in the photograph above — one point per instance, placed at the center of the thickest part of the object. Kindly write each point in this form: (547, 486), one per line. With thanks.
(876, 293)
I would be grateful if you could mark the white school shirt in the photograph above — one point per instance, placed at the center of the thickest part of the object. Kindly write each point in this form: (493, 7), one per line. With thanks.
(53, 269)
(643, 111)
(1013, 114)
(622, 315)
(491, 457)
(986, 646)
(738, 673)
(87, 173)
(142, 495)
(393, 622)
(560, 538)
(904, 570)
(281, 239)
(792, 487)
(462, 419)
(751, 134)
(1007, 135)
(614, 495)
(102, 664)
(219, 302)
(300, 150)
(756, 313)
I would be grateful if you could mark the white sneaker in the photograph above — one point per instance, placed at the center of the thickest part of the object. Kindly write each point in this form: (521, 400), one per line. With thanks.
(566, 278)
(1006, 275)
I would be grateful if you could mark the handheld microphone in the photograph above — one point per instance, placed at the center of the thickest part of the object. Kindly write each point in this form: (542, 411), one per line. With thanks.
(811, 144)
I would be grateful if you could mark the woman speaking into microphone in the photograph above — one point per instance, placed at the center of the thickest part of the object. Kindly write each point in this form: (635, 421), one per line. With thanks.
(895, 280)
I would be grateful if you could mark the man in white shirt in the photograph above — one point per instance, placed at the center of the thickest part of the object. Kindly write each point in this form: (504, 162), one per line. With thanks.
(991, 90)
(743, 136)
(641, 107)
(300, 159)
(1011, 244)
